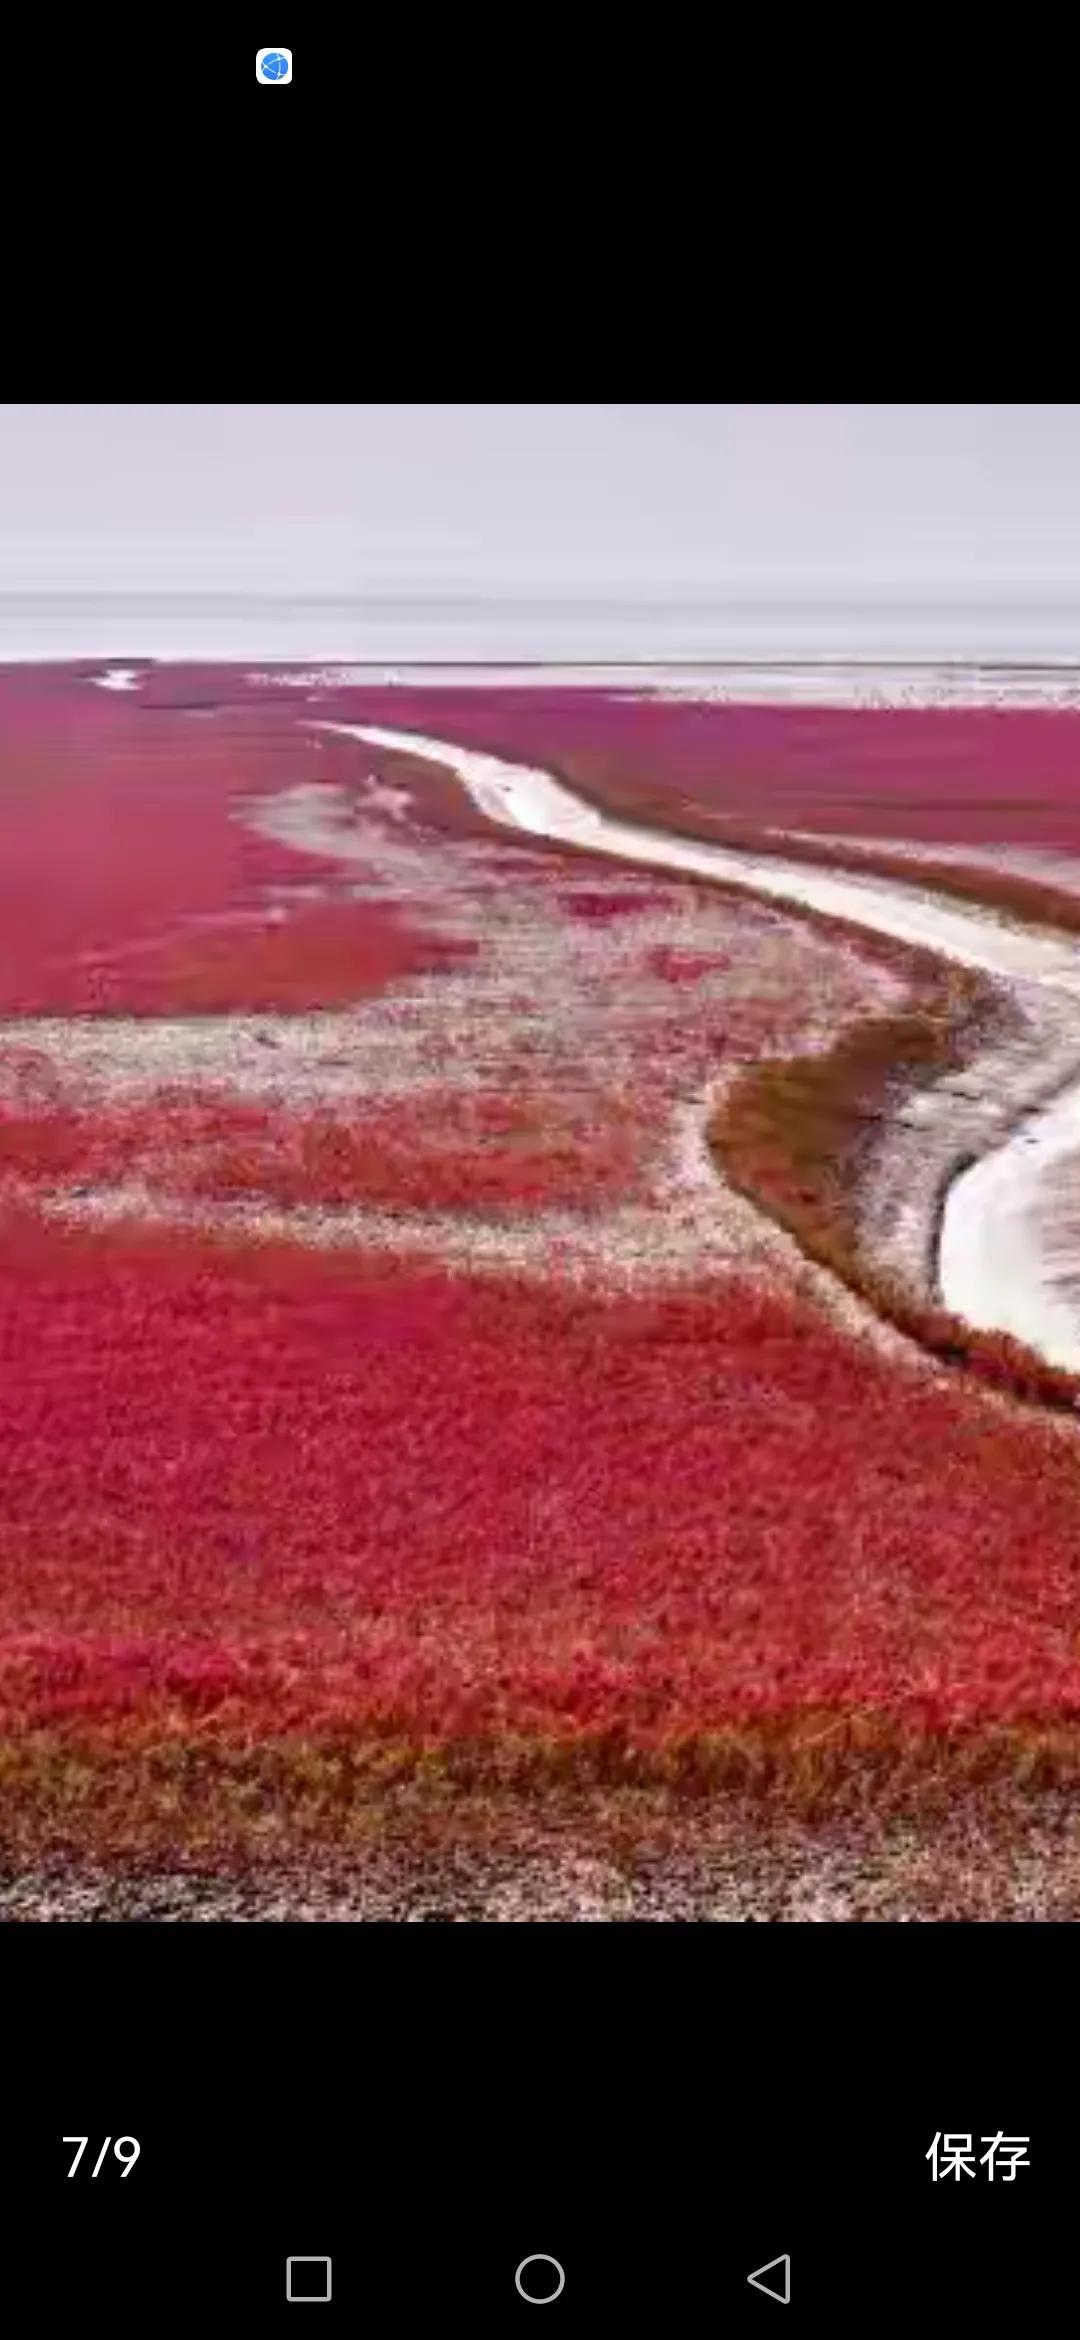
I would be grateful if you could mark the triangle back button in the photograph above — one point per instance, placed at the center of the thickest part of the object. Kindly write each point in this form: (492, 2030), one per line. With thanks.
(780, 2286)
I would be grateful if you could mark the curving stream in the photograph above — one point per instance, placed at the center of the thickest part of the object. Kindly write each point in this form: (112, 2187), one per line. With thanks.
(995, 1262)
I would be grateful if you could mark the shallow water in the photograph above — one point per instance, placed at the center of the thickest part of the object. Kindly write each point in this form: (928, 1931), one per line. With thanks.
(639, 628)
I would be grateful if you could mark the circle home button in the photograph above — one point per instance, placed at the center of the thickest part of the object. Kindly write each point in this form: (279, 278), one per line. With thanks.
(540, 2279)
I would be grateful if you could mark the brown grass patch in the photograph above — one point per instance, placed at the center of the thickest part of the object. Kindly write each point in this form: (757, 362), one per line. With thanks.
(101, 1797)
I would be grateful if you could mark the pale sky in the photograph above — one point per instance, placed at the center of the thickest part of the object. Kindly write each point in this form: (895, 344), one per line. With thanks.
(351, 498)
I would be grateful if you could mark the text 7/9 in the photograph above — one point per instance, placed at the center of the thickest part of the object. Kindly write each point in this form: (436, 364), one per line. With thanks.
(129, 2158)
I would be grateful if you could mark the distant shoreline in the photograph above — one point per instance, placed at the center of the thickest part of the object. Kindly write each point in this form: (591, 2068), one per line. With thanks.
(861, 680)
(823, 663)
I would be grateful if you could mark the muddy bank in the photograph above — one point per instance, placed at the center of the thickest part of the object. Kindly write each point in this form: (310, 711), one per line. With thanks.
(1029, 1054)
